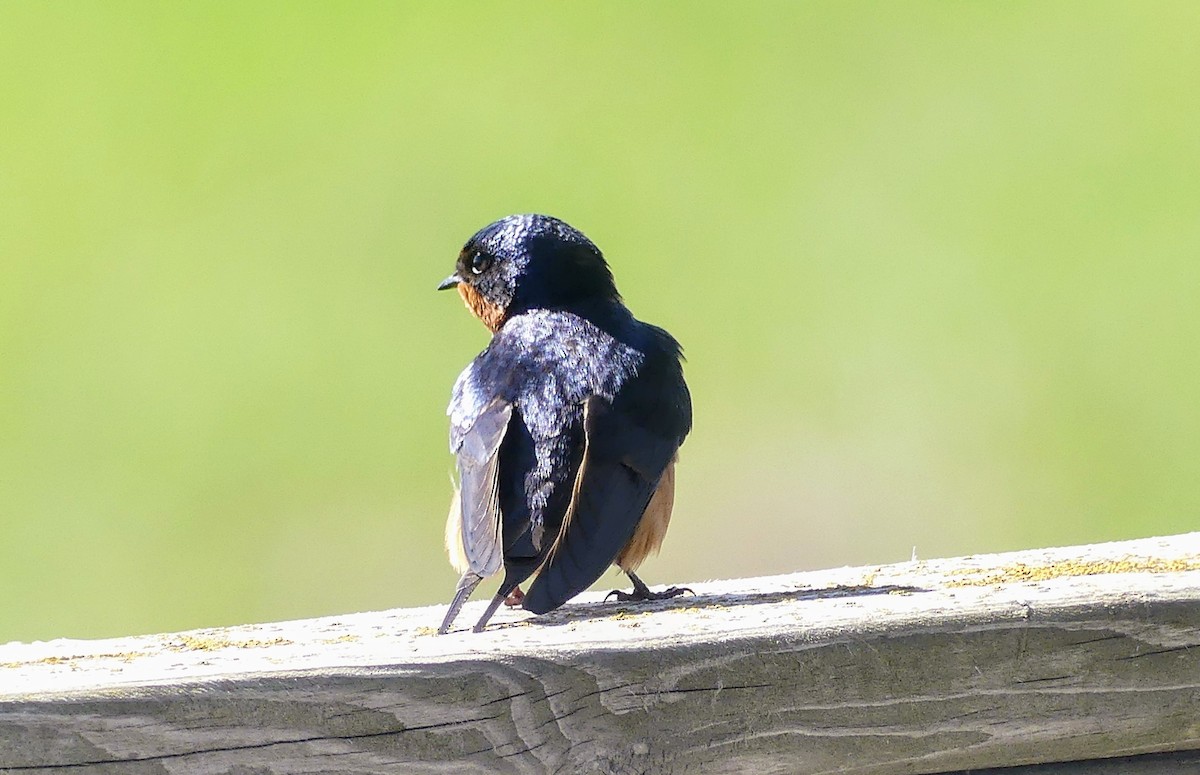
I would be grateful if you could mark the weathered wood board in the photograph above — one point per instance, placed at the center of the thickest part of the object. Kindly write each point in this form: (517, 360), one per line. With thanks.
(1061, 655)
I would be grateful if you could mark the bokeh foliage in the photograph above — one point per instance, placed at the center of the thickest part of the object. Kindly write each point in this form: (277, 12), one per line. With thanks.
(934, 265)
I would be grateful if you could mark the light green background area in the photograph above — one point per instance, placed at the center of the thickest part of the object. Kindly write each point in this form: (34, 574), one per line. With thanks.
(936, 267)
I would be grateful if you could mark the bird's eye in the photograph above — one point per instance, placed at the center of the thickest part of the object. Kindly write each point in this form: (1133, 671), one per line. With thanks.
(480, 263)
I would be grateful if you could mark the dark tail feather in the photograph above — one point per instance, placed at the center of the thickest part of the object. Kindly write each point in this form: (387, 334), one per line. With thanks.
(516, 570)
(491, 609)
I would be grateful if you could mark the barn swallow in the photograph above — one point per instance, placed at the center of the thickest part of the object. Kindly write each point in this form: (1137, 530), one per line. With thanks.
(565, 428)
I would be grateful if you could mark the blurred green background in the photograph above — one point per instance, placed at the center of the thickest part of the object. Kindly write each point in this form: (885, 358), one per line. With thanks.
(935, 267)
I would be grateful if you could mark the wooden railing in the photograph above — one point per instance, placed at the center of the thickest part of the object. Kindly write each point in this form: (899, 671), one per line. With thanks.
(1058, 660)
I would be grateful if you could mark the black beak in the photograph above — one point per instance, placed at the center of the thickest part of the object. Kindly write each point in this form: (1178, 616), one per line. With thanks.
(449, 282)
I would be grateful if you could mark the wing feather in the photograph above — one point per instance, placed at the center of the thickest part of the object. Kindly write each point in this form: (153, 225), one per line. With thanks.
(478, 496)
(621, 469)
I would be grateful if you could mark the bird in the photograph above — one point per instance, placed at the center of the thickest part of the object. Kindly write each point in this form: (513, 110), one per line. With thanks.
(565, 428)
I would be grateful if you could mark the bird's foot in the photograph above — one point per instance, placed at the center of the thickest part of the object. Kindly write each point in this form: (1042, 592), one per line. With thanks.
(644, 593)
(515, 598)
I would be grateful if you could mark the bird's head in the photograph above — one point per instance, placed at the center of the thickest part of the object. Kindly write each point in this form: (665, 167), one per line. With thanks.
(528, 262)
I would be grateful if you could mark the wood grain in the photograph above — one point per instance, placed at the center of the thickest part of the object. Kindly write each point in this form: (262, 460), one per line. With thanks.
(1068, 655)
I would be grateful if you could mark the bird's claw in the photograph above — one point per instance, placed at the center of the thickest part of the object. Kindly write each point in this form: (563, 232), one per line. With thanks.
(638, 595)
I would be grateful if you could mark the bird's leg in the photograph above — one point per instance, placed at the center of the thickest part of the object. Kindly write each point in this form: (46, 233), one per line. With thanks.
(642, 592)
(515, 598)
(466, 585)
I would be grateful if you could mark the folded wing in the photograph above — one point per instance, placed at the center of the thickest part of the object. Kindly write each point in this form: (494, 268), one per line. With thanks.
(478, 499)
(622, 465)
